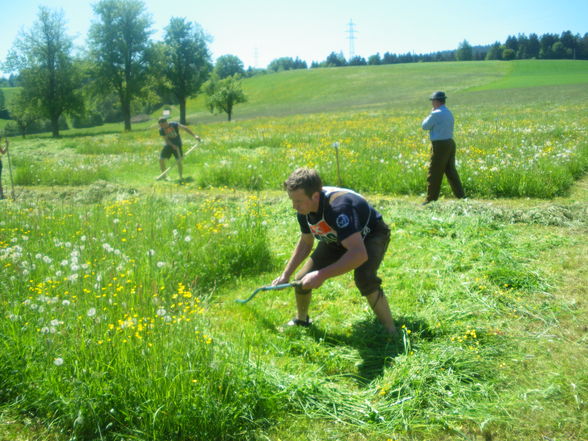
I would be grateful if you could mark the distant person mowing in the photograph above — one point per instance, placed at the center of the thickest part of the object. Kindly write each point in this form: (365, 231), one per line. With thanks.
(440, 126)
(3, 151)
(173, 144)
(352, 236)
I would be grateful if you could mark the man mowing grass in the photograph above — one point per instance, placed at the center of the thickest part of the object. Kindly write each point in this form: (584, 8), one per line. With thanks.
(173, 144)
(351, 237)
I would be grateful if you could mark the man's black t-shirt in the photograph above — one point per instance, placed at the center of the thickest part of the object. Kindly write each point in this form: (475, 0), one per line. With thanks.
(341, 213)
(172, 133)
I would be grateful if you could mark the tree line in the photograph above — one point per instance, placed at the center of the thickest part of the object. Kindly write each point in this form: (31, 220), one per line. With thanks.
(121, 73)
(547, 46)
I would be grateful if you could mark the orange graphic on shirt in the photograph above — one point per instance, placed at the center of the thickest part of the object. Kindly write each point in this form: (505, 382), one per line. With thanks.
(323, 232)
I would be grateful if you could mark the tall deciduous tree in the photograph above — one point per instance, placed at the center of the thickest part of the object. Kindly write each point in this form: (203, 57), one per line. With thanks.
(464, 52)
(335, 60)
(48, 74)
(22, 112)
(228, 65)
(534, 46)
(119, 42)
(187, 61)
(224, 94)
(3, 111)
(495, 52)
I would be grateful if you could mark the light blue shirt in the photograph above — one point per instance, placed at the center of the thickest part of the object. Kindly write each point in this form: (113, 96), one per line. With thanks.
(439, 123)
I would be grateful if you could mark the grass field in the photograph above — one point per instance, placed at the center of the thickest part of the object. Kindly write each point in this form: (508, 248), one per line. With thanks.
(117, 292)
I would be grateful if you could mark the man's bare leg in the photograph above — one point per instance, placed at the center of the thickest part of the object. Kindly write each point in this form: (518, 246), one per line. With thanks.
(303, 300)
(162, 167)
(180, 169)
(379, 304)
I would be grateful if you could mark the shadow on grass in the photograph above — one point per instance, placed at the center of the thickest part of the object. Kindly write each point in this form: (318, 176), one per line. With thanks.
(376, 349)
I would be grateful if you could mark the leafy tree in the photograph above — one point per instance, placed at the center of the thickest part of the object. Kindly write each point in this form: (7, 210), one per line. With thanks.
(406, 58)
(24, 112)
(187, 60)
(547, 41)
(48, 73)
(390, 58)
(495, 52)
(118, 47)
(508, 54)
(224, 94)
(286, 63)
(335, 60)
(357, 61)
(281, 64)
(3, 111)
(464, 52)
(375, 60)
(533, 47)
(512, 43)
(570, 43)
(582, 52)
(523, 46)
(228, 65)
(559, 51)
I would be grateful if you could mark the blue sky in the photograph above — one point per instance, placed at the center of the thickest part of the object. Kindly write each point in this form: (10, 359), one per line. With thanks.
(258, 31)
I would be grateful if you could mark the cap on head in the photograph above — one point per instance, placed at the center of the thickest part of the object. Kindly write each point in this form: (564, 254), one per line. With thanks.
(439, 96)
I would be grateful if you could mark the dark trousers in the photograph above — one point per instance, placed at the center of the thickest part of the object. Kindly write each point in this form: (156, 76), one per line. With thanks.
(365, 276)
(443, 162)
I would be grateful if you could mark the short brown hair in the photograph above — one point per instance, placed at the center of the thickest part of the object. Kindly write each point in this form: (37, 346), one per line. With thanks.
(306, 179)
(162, 120)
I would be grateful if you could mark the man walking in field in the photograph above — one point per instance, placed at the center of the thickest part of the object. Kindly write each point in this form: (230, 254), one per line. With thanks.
(173, 144)
(352, 236)
(440, 126)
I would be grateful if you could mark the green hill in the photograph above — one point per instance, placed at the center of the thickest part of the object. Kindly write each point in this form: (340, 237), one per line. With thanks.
(400, 86)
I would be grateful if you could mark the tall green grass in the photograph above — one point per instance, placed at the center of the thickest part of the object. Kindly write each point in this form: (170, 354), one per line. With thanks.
(507, 145)
(104, 326)
(505, 151)
(119, 323)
